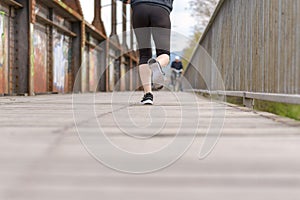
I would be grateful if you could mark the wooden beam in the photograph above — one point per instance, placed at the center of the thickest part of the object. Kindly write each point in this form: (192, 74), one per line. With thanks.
(13, 3)
(44, 20)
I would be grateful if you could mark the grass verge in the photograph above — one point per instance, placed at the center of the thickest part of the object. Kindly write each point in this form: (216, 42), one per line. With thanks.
(282, 109)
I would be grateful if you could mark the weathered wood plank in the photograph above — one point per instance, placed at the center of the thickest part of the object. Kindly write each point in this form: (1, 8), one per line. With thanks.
(289, 48)
(293, 47)
(266, 45)
(283, 42)
(261, 43)
(297, 51)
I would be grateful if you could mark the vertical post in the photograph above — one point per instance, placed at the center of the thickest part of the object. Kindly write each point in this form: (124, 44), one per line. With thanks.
(50, 51)
(248, 102)
(23, 38)
(113, 18)
(97, 22)
(124, 25)
(131, 32)
(9, 88)
(131, 74)
(107, 67)
(123, 69)
(77, 55)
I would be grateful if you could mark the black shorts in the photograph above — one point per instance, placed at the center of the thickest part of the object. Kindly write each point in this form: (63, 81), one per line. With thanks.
(151, 20)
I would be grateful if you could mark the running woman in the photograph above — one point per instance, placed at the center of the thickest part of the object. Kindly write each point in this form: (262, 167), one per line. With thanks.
(152, 17)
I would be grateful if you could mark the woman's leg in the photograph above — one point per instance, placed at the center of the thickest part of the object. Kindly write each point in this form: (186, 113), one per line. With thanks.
(143, 34)
(161, 31)
(145, 75)
(163, 60)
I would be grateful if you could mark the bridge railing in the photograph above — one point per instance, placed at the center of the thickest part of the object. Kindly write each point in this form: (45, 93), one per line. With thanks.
(46, 46)
(255, 45)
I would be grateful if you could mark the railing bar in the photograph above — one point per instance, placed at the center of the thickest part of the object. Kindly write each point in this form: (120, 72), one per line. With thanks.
(273, 97)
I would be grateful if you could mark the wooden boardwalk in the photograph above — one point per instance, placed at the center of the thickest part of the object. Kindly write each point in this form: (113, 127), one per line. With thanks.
(42, 157)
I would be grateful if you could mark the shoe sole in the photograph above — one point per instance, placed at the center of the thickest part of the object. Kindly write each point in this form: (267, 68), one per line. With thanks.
(157, 87)
(147, 102)
(157, 76)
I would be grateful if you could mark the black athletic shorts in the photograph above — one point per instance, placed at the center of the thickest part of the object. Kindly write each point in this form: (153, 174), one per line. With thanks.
(151, 20)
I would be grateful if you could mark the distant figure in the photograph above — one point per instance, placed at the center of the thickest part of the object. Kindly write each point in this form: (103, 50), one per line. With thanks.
(177, 70)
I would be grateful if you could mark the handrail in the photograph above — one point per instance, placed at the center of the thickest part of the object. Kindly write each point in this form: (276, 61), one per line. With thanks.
(272, 97)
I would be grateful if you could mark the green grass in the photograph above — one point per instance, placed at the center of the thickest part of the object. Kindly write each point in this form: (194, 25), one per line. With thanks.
(235, 100)
(282, 109)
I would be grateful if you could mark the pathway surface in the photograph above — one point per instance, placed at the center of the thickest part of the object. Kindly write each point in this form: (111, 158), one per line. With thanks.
(42, 157)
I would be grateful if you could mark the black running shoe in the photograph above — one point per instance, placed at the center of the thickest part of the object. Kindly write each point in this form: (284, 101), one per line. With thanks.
(147, 99)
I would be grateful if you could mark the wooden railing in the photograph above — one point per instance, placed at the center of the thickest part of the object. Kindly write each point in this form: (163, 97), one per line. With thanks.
(255, 47)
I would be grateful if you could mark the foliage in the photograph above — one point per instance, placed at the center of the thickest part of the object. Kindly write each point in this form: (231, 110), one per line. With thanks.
(202, 10)
(282, 109)
(188, 52)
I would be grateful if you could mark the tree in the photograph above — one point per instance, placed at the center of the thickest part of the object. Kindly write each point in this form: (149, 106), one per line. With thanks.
(202, 10)
(188, 52)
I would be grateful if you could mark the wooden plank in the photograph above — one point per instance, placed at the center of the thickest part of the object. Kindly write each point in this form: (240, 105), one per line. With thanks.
(289, 48)
(233, 45)
(283, 33)
(236, 47)
(222, 30)
(297, 52)
(214, 49)
(229, 47)
(261, 43)
(248, 80)
(254, 45)
(243, 48)
(220, 64)
(294, 44)
(274, 45)
(13, 3)
(266, 45)
(208, 58)
(279, 36)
